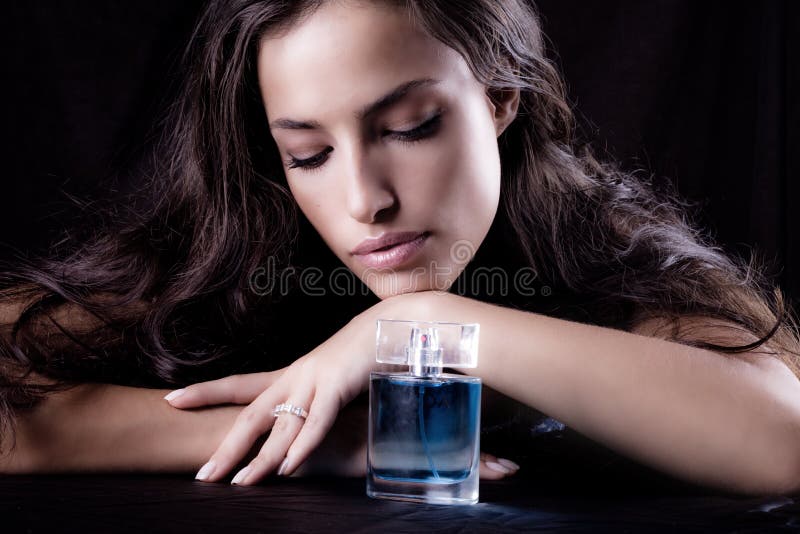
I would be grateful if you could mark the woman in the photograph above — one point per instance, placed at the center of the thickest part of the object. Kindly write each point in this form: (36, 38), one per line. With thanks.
(386, 122)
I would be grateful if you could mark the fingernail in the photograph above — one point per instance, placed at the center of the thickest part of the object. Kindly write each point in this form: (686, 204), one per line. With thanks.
(508, 463)
(174, 394)
(497, 467)
(205, 471)
(241, 475)
(284, 465)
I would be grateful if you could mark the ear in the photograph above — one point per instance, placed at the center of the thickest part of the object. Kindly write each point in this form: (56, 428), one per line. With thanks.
(504, 104)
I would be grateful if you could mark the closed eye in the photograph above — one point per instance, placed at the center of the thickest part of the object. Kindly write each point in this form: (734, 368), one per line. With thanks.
(426, 129)
(423, 131)
(308, 163)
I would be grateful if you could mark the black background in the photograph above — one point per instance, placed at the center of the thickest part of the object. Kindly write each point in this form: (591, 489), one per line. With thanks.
(702, 94)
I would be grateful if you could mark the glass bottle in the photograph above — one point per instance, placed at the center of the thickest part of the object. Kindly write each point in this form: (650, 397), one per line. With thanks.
(424, 425)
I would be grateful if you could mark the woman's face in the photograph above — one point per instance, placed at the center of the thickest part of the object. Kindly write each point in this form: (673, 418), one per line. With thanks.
(423, 162)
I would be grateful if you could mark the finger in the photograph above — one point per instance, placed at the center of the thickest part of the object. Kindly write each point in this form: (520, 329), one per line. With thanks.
(493, 468)
(234, 389)
(321, 416)
(252, 422)
(487, 473)
(272, 454)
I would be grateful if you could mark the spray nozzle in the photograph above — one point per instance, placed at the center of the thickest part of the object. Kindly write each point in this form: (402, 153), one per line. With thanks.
(424, 354)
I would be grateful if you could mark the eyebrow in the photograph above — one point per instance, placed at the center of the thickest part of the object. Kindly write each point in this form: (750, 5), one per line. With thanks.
(387, 100)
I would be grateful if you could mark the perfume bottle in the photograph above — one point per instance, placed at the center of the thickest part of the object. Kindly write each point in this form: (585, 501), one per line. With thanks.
(424, 425)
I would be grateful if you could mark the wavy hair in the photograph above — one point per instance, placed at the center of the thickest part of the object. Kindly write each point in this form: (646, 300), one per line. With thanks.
(159, 293)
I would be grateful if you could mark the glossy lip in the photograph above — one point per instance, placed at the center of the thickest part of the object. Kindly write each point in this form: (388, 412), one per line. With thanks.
(384, 240)
(397, 254)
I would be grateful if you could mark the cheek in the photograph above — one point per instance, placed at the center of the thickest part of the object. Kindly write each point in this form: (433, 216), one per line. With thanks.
(317, 212)
(477, 163)
(456, 179)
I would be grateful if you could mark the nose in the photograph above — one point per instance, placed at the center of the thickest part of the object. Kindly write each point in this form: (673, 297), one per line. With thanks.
(369, 193)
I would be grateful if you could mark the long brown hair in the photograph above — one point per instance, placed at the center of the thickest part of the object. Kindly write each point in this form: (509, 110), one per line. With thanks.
(161, 294)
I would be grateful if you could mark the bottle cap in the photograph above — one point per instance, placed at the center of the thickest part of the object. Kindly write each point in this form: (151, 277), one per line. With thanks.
(421, 344)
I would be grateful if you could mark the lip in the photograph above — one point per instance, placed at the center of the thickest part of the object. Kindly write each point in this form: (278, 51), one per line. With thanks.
(384, 240)
(402, 247)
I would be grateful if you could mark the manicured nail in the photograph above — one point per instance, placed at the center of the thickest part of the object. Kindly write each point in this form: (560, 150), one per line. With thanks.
(497, 467)
(284, 465)
(205, 471)
(174, 394)
(241, 475)
(508, 463)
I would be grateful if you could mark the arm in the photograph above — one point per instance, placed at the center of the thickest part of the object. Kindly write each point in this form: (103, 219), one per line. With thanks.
(731, 422)
(104, 427)
(101, 427)
(110, 428)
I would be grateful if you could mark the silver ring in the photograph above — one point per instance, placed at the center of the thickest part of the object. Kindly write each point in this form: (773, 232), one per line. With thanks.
(289, 408)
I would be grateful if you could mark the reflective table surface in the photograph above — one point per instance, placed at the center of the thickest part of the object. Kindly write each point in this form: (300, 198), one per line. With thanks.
(177, 503)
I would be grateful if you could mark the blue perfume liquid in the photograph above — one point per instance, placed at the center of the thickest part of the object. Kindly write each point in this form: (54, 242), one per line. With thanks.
(424, 437)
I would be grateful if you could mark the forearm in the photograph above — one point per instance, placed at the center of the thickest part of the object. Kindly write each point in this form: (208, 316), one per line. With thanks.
(100, 427)
(110, 428)
(696, 414)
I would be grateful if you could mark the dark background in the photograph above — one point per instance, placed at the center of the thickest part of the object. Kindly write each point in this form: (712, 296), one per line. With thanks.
(700, 94)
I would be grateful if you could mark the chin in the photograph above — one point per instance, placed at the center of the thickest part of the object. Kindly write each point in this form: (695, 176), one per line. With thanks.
(391, 285)
(383, 294)
(394, 287)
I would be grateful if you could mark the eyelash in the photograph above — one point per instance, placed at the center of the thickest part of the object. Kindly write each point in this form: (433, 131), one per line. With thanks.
(421, 132)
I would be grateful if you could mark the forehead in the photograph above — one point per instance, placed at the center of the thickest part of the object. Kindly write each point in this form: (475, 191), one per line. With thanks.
(345, 54)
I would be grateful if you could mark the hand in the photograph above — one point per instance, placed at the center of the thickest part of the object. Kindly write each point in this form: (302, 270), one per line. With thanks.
(323, 381)
(244, 389)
